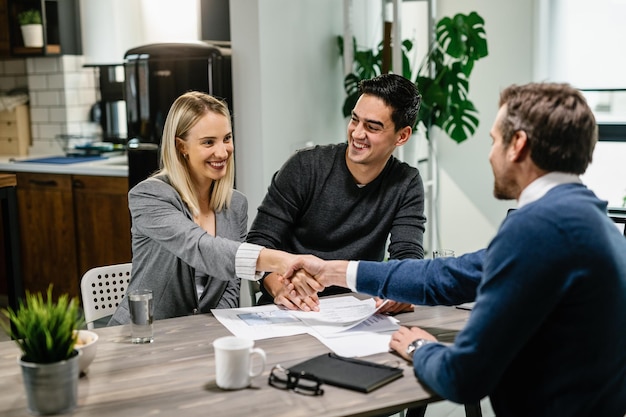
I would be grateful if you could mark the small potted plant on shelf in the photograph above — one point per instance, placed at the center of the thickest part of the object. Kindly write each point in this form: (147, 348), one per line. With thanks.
(45, 332)
(32, 28)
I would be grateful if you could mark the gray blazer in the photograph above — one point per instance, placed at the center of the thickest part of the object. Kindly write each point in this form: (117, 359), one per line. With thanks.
(168, 249)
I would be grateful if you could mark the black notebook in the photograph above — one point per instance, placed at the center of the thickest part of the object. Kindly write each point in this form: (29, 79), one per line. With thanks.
(354, 374)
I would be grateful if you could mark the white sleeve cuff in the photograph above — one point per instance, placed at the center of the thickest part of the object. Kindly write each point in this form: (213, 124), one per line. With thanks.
(245, 262)
(351, 275)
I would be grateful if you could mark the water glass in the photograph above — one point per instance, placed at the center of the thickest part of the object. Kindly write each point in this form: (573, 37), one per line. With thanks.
(141, 315)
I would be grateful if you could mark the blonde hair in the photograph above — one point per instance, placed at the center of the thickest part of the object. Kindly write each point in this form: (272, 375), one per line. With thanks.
(182, 116)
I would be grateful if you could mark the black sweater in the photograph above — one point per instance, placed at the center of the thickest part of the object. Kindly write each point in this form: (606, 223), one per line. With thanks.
(313, 206)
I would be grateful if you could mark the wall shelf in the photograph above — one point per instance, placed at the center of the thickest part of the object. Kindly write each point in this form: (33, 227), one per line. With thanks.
(61, 26)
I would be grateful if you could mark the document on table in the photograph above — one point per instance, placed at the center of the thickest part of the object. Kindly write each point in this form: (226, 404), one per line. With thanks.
(367, 338)
(260, 322)
(338, 314)
(338, 317)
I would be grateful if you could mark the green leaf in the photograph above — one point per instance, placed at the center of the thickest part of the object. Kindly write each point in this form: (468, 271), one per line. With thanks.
(45, 329)
(442, 78)
(462, 121)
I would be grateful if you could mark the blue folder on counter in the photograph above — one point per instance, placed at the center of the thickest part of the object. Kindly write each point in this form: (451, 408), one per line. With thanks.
(63, 160)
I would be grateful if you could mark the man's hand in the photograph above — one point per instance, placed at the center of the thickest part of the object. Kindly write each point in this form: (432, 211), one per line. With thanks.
(401, 339)
(299, 292)
(326, 273)
(393, 307)
(290, 299)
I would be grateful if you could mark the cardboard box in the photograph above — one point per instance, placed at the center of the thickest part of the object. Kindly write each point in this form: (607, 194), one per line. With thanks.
(15, 137)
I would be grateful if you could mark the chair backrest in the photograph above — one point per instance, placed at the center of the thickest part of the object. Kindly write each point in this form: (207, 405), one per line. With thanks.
(249, 293)
(618, 215)
(102, 289)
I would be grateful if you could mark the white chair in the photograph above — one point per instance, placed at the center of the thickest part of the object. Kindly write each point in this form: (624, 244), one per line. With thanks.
(102, 290)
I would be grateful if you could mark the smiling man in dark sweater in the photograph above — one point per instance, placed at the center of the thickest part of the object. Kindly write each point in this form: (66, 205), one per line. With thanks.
(344, 201)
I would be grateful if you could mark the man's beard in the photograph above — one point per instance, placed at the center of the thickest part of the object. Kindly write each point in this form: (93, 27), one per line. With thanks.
(502, 192)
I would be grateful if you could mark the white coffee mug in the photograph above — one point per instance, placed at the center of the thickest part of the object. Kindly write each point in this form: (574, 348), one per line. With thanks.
(233, 362)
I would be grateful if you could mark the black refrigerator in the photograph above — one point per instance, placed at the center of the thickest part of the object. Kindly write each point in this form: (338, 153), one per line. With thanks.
(155, 75)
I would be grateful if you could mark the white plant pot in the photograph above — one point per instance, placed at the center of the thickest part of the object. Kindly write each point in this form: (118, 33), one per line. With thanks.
(33, 35)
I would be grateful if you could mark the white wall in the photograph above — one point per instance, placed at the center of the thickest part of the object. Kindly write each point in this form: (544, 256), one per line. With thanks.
(110, 28)
(584, 34)
(287, 84)
(469, 213)
(574, 55)
(291, 93)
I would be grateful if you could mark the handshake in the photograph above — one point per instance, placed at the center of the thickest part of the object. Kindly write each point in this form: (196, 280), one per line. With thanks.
(305, 276)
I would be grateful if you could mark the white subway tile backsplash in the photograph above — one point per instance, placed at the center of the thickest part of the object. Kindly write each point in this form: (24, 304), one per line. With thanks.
(37, 82)
(46, 65)
(87, 97)
(49, 131)
(91, 80)
(15, 67)
(62, 93)
(80, 97)
(30, 65)
(48, 98)
(8, 83)
(56, 81)
(21, 81)
(76, 114)
(72, 97)
(84, 129)
(71, 63)
(73, 80)
(58, 115)
(46, 147)
(39, 115)
(81, 80)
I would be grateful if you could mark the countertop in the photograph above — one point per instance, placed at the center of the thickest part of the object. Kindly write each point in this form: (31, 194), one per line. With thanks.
(112, 166)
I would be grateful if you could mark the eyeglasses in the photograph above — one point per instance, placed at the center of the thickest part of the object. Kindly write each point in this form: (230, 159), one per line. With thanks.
(300, 382)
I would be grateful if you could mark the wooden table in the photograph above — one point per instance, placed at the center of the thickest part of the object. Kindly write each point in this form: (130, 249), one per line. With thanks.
(175, 375)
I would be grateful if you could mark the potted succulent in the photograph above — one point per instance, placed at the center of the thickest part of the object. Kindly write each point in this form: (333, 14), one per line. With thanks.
(45, 332)
(32, 28)
(442, 78)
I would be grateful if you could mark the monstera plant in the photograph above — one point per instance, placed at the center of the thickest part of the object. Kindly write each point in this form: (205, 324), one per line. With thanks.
(442, 77)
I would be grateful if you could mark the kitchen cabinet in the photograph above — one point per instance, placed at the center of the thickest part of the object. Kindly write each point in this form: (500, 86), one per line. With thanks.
(61, 27)
(102, 221)
(69, 224)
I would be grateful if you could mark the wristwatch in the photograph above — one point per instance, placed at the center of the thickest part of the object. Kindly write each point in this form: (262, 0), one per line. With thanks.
(414, 345)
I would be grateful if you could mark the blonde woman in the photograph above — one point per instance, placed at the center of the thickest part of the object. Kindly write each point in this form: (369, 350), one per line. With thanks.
(188, 223)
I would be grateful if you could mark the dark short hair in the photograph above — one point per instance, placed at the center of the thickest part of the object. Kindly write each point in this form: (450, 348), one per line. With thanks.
(398, 93)
(560, 126)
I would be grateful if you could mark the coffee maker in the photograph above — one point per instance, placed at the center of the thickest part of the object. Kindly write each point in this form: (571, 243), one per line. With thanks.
(155, 75)
(110, 110)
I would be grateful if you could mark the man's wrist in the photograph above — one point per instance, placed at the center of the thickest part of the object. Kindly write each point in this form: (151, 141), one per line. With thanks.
(351, 275)
(416, 345)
